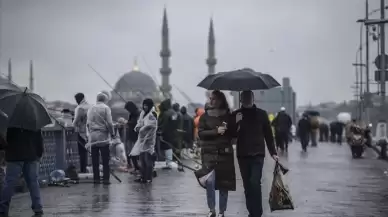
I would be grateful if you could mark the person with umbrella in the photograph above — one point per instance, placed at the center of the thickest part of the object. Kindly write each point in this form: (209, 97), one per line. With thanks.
(27, 115)
(217, 152)
(252, 127)
(254, 132)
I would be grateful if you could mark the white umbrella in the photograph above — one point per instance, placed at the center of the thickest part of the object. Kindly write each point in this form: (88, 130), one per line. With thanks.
(344, 117)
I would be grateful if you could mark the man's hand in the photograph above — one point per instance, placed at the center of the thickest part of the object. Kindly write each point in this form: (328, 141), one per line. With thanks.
(239, 117)
(275, 157)
(221, 130)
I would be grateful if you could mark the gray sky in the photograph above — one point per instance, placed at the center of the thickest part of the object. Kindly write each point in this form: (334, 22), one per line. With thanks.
(312, 41)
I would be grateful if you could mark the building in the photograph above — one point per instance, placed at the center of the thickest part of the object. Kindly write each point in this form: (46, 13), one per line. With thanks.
(273, 99)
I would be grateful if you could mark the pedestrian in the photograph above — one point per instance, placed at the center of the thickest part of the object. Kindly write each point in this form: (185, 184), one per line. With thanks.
(146, 127)
(253, 133)
(323, 132)
(23, 151)
(79, 123)
(187, 133)
(282, 124)
(303, 131)
(217, 152)
(132, 135)
(101, 130)
(314, 123)
(168, 129)
(179, 143)
(197, 150)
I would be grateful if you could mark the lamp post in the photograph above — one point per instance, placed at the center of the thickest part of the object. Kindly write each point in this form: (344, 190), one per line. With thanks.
(381, 35)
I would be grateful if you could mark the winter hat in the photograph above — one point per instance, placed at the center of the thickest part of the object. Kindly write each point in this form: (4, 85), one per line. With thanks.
(79, 97)
(282, 109)
(176, 107)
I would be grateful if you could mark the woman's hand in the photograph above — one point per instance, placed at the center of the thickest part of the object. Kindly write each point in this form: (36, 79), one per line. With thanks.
(221, 130)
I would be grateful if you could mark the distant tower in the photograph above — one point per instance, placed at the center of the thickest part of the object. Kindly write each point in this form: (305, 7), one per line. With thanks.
(135, 65)
(211, 60)
(31, 86)
(9, 70)
(165, 54)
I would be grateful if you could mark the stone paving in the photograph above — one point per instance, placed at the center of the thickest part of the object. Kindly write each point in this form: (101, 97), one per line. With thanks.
(325, 182)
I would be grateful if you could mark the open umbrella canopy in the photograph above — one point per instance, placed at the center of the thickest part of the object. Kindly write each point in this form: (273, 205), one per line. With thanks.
(239, 80)
(3, 127)
(24, 109)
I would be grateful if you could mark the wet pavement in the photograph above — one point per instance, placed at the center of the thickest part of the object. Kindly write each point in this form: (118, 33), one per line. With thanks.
(325, 182)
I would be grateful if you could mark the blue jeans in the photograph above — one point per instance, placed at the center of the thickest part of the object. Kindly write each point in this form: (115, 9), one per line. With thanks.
(30, 173)
(251, 169)
(211, 195)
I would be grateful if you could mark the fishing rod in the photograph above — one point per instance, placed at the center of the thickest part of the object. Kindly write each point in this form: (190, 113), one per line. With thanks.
(106, 82)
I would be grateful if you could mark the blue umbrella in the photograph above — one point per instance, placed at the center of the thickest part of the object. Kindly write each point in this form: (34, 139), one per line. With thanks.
(24, 109)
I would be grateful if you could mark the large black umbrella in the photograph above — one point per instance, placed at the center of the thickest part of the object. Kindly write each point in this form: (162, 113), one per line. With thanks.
(24, 109)
(239, 80)
(3, 127)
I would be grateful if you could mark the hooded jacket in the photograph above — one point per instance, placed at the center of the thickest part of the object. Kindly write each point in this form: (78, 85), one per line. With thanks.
(168, 125)
(80, 117)
(132, 120)
(187, 127)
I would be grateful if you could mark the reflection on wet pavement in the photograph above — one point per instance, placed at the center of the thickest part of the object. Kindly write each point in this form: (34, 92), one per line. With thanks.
(325, 182)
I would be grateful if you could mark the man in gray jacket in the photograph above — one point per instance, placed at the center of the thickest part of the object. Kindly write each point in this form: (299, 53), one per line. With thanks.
(79, 123)
(100, 127)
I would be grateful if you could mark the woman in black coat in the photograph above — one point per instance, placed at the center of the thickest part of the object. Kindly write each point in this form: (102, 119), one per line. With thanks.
(132, 134)
(217, 151)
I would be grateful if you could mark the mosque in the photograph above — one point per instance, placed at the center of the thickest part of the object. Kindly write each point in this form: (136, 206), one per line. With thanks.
(137, 85)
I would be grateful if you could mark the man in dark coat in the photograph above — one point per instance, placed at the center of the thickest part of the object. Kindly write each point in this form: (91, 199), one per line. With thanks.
(303, 131)
(254, 132)
(282, 124)
(23, 151)
(187, 132)
(168, 129)
(333, 129)
(132, 134)
(178, 150)
(323, 132)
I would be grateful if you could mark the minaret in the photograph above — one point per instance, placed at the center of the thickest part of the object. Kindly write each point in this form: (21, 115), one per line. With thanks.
(165, 54)
(31, 86)
(211, 60)
(9, 70)
(135, 65)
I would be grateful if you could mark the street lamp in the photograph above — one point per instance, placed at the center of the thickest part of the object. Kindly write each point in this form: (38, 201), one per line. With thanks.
(375, 37)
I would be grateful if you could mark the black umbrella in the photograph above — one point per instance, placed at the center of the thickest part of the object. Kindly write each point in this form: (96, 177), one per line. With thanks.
(24, 109)
(239, 80)
(3, 127)
(312, 113)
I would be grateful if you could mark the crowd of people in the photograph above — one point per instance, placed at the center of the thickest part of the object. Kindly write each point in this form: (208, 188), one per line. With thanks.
(215, 129)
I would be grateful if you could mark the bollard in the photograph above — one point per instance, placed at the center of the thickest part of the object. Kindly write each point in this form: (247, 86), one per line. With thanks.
(383, 152)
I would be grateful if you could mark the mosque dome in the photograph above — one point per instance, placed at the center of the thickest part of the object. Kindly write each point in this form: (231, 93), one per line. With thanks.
(3, 80)
(136, 81)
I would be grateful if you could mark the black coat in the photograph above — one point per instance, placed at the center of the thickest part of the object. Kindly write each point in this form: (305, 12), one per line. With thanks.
(304, 127)
(188, 128)
(282, 122)
(168, 126)
(255, 133)
(132, 121)
(217, 151)
(23, 145)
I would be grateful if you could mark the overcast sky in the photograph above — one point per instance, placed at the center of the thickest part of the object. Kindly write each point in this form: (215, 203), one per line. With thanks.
(314, 42)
